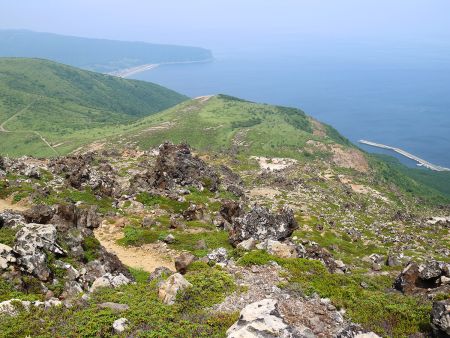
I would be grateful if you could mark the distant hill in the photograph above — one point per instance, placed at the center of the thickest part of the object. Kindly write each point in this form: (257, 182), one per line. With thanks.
(93, 54)
(67, 106)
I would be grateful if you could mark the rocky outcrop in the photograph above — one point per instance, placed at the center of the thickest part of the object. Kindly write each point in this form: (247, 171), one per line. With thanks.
(176, 166)
(169, 289)
(440, 318)
(261, 224)
(261, 319)
(421, 278)
(39, 251)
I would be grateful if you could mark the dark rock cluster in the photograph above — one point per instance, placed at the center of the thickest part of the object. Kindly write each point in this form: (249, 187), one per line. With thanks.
(432, 276)
(260, 224)
(176, 166)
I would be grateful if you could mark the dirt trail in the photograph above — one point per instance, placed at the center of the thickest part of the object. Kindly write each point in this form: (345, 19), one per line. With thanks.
(7, 205)
(2, 126)
(147, 257)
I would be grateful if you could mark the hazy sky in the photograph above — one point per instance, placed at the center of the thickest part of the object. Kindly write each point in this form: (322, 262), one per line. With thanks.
(241, 23)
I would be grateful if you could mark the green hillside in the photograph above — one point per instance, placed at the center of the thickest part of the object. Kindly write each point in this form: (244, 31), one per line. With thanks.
(45, 102)
(93, 54)
(224, 123)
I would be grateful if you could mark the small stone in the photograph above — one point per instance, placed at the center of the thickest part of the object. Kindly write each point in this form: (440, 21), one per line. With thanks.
(364, 285)
(183, 261)
(148, 221)
(247, 245)
(120, 325)
(169, 239)
(219, 255)
(376, 267)
(393, 261)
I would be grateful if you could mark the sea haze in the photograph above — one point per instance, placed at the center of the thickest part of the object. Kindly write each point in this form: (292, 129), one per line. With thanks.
(386, 93)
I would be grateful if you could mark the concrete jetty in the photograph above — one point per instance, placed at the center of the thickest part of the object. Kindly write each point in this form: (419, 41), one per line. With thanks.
(420, 162)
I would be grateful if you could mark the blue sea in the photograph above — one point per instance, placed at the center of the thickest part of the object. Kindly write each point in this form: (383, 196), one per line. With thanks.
(398, 96)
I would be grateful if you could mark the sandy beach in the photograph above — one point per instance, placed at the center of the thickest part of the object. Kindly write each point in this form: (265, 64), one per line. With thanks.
(123, 73)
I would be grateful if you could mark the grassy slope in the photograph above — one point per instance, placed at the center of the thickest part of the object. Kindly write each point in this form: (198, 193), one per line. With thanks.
(222, 123)
(93, 54)
(65, 104)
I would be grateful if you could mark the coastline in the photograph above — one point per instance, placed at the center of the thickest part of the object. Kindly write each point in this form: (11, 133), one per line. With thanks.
(127, 72)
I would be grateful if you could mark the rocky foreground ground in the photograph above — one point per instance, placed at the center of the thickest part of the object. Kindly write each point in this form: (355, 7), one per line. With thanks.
(213, 245)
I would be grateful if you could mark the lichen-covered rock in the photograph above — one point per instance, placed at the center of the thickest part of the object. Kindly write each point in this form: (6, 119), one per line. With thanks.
(116, 307)
(440, 318)
(169, 289)
(261, 224)
(32, 243)
(261, 319)
(431, 270)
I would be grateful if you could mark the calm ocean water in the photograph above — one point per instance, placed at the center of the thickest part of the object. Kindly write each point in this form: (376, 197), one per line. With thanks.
(402, 104)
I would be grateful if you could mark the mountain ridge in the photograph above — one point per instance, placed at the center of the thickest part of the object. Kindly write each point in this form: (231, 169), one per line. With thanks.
(101, 55)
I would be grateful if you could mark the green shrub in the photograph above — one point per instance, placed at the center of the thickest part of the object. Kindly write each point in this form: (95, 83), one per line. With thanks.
(7, 236)
(209, 287)
(90, 245)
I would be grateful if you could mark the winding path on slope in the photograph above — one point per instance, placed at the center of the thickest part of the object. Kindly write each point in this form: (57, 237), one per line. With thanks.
(2, 126)
(4, 130)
